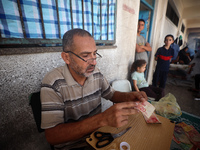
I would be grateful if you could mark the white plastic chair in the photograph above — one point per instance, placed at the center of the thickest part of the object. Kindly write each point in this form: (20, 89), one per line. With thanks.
(122, 85)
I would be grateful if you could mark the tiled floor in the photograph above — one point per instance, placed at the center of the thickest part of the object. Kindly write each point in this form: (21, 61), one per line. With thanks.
(184, 98)
(179, 88)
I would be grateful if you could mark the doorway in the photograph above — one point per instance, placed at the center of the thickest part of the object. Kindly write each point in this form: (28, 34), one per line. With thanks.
(146, 13)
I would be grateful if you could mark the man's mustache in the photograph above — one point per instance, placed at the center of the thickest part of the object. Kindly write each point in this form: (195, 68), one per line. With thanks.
(91, 67)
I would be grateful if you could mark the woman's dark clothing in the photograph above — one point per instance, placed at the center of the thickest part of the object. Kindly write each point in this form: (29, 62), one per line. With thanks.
(183, 56)
(153, 91)
(197, 81)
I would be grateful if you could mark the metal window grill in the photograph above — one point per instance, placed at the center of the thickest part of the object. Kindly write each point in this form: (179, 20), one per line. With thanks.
(45, 21)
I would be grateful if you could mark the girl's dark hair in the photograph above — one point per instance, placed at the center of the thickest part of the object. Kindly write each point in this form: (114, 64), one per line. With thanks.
(136, 64)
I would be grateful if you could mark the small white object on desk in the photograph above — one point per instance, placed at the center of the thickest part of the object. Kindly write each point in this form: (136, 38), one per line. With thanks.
(124, 146)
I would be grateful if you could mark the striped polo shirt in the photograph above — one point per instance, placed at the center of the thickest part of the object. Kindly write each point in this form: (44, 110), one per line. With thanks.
(64, 100)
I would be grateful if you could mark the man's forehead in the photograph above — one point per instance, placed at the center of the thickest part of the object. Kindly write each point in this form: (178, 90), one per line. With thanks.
(141, 22)
(88, 52)
(84, 44)
(169, 37)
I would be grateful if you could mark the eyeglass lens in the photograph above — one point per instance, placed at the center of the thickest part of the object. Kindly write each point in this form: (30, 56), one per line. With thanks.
(92, 59)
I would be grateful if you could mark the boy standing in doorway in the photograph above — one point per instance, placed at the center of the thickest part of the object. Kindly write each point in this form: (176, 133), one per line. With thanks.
(142, 46)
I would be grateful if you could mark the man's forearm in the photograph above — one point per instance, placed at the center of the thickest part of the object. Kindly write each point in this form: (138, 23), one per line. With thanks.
(67, 132)
(115, 116)
(119, 97)
(139, 49)
(128, 96)
(147, 47)
(143, 48)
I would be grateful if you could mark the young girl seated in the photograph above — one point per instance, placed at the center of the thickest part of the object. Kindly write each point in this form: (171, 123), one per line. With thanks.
(140, 83)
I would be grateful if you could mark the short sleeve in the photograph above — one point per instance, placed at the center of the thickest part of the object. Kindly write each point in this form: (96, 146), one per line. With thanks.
(52, 108)
(157, 52)
(145, 41)
(52, 104)
(133, 76)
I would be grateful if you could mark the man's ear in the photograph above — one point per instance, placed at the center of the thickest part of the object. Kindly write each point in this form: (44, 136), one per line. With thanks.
(65, 57)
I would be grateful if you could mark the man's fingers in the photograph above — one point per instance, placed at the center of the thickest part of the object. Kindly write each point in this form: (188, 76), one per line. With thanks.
(125, 105)
(129, 111)
(118, 114)
(141, 96)
(144, 98)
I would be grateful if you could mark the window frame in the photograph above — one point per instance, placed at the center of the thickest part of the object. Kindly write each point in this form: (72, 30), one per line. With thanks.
(29, 42)
(182, 28)
(172, 15)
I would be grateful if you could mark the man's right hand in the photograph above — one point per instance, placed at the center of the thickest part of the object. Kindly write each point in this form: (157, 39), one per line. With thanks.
(117, 115)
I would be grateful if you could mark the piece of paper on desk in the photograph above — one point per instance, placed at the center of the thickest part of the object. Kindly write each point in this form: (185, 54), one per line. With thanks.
(146, 108)
(148, 112)
(152, 119)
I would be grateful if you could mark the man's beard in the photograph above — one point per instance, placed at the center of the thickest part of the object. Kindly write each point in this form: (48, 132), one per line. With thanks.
(79, 70)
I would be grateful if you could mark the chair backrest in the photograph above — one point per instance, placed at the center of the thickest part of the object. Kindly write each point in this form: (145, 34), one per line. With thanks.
(34, 101)
(122, 85)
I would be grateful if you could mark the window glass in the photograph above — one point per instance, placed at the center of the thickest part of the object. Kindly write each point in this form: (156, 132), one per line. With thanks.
(171, 14)
(64, 16)
(50, 19)
(32, 23)
(183, 28)
(10, 20)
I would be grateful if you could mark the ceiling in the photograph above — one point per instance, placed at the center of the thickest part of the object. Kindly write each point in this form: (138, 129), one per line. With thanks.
(191, 14)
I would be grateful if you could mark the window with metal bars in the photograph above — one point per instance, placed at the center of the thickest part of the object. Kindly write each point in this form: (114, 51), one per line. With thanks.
(44, 22)
(183, 28)
(171, 14)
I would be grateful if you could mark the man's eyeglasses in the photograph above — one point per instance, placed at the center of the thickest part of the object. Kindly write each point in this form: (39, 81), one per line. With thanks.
(90, 60)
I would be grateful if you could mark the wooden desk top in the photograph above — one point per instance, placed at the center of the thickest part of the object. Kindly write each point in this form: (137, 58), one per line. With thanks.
(141, 136)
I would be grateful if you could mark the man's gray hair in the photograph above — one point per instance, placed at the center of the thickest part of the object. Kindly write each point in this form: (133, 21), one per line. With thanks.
(67, 40)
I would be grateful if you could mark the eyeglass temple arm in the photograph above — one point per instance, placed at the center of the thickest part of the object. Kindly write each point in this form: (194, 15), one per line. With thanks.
(76, 55)
(99, 55)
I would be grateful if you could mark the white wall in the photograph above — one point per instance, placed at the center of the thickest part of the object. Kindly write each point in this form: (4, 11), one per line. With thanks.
(156, 37)
(116, 62)
(169, 28)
